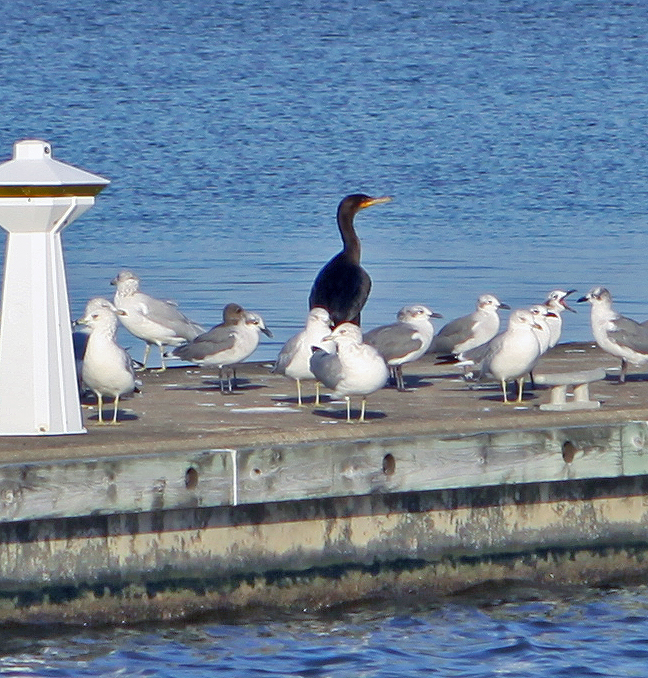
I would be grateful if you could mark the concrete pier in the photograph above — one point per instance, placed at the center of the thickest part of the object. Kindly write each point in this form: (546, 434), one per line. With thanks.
(202, 501)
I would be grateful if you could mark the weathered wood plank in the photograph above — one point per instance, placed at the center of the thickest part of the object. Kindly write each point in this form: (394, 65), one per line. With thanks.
(115, 485)
(318, 470)
(423, 463)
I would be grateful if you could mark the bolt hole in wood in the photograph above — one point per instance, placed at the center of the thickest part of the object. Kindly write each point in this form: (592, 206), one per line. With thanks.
(568, 451)
(191, 478)
(389, 465)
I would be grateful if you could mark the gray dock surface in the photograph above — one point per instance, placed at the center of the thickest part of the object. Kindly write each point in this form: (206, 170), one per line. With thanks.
(182, 409)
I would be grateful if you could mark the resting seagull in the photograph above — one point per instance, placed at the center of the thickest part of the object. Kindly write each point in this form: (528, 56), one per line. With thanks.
(514, 353)
(231, 342)
(107, 368)
(404, 341)
(465, 333)
(153, 320)
(293, 360)
(620, 336)
(354, 369)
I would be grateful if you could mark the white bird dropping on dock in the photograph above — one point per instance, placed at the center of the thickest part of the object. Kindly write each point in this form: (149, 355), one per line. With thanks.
(293, 360)
(404, 341)
(620, 336)
(107, 367)
(155, 321)
(39, 197)
(354, 369)
(514, 353)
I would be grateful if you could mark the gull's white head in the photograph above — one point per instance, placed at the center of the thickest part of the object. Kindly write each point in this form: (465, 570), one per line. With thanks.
(557, 301)
(416, 313)
(346, 333)
(319, 316)
(126, 282)
(522, 318)
(489, 302)
(598, 295)
(255, 320)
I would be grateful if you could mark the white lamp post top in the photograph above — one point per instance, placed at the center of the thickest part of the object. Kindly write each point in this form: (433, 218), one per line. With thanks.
(39, 196)
(32, 172)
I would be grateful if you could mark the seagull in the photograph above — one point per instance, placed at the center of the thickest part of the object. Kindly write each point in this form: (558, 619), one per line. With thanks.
(234, 340)
(153, 320)
(107, 367)
(465, 333)
(404, 341)
(620, 336)
(354, 369)
(81, 332)
(514, 353)
(556, 303)
(342, 286)
(542, 315)
(293, 360)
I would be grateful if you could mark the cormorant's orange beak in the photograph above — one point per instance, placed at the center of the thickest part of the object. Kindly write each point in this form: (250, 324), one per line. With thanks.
(375, 201)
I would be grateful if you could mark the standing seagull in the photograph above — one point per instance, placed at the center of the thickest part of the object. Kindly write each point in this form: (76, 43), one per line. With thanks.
(81, 332)
(620, 336)
(107, 367)
(354, 369)
(294, 358)
(543, 318)
(542, 315)
(463, 334)
(234, 340)
(556, 303)
(153, 320)
(404, 341)
(514, 353)
(342, 286)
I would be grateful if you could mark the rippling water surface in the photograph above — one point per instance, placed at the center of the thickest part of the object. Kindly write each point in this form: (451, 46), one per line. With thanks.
(512, 136)
(583, 633)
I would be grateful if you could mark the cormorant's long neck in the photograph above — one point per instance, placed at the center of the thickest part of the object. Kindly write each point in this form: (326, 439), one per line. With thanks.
(349, 237)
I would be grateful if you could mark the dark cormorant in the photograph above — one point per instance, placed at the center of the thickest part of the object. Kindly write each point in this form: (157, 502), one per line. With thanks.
(342, 286)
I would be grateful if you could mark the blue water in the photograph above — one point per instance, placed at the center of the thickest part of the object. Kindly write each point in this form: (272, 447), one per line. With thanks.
(587, 634)
(512, 137)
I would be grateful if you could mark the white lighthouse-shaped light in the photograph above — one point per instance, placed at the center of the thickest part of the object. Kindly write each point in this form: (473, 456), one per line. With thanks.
(39, 196)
